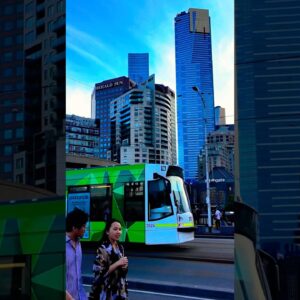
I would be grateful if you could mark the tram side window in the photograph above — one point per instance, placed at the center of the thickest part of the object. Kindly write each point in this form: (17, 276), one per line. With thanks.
(101, 202)
(134, 201)
(160, 205)
(15, 278)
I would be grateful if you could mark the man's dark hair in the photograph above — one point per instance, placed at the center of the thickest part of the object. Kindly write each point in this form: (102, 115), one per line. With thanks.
(76, 218)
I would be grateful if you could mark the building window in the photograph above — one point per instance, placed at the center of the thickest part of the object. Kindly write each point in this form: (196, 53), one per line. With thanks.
(7, 167)
(7, 41)
(7, 150)
(8, 118)
(19, 163)
(60, 6)
(8, 10)
(19, 71)
(19, 133)
(19, 178)
(8, 134)
(8, 72)
(29, 7)
(20, 7)
(29, 37)
(19, 23)
(19, 55)
(19, 116)
(51, 10)
(50, 26)
(8, 26)
(29, 23)
(7, 56)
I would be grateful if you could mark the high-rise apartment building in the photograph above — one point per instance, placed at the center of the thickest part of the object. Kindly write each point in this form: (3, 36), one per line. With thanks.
(220, 149)
(220, 118)
(32, 93)
(82, 136)
(138, 67)
(143, 125)
(104, 92)
(267, 117)
(193, 69)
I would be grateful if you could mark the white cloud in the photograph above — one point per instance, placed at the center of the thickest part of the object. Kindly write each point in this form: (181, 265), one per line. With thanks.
(93, 58)
(165, 66)
(77, 36)
(78, 101)
(223, 64)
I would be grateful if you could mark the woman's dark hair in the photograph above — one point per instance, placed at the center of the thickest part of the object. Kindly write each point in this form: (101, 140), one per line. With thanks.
(76, 218)
(104, 237)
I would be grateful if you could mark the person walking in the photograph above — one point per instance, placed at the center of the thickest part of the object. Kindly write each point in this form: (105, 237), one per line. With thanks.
(110, 266)
(75, 226)
(218, 216)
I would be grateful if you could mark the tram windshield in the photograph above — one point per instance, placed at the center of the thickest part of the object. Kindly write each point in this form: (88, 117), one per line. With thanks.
(160, 205)
(180, 194)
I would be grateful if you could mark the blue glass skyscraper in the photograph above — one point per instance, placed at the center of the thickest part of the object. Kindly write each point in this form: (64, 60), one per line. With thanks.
(267, 114)
(193, 68)
(138, 67)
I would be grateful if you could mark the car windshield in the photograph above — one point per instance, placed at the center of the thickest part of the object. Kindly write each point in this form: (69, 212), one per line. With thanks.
(180, 194)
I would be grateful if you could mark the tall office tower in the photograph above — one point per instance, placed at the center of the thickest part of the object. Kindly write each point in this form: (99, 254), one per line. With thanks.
(220, 118)
(104, 92)
(138, 67)
(33, 93)
(82, 136)
(267, 116)
(143, 125)
(193, 69)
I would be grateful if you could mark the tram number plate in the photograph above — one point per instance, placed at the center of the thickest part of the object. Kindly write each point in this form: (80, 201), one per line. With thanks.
(150, 225)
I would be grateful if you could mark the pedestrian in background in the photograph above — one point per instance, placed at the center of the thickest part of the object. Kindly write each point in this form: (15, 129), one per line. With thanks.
(110, 267)
(218, 216)
(75, 226)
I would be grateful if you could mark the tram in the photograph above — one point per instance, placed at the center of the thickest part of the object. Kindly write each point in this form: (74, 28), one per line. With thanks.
(149, 200)
(32, 249)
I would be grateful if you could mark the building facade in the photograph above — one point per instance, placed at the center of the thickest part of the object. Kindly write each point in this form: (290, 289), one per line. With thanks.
(138, 67)
(267, 118)
(193, 69)
(143, 126)
(82, 136)
(33, 93)
(220, 149)
(103, 93)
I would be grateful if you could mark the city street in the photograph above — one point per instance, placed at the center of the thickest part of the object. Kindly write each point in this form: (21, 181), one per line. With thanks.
(201, 269)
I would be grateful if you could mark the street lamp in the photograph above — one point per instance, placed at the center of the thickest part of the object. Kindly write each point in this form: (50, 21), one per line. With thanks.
(206, 160)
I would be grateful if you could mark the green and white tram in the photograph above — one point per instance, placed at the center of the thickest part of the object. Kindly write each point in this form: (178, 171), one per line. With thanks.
(149, 200)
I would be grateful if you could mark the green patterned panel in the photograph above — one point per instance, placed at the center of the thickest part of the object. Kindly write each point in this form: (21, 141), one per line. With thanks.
(34, 229)
(136, 232)
(116, 176)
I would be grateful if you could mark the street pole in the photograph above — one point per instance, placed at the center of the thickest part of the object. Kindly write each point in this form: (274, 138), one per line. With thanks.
(206, 161)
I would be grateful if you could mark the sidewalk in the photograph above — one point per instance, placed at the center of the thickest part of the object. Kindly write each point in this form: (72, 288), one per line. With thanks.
(224, 231)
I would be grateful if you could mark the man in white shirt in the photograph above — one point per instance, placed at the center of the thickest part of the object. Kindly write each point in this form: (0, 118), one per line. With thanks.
(218, 216)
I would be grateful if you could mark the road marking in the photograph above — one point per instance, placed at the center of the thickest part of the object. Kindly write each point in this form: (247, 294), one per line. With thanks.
(166, 294)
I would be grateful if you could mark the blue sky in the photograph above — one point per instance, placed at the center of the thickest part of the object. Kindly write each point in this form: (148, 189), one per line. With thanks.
(101, 33)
